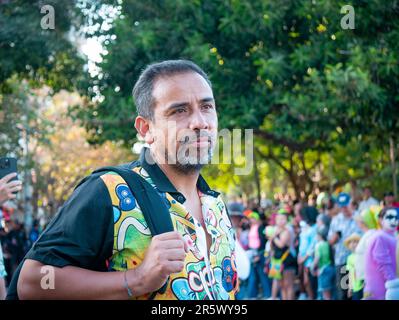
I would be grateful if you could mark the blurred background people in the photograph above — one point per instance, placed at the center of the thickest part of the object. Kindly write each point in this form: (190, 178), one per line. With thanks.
(283, 264)
(368, 200)
(323, 265)
(342, 226)
(256, 244)
(355, 290)
(307, 244)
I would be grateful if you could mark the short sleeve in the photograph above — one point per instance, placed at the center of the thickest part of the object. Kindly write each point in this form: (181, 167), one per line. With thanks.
(317, 250)
(81, 234)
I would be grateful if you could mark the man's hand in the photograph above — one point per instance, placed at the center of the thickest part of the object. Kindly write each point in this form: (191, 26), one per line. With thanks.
(165, 255)
(7, 187)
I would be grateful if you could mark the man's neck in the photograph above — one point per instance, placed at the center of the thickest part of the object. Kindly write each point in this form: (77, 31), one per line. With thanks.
(185, 183)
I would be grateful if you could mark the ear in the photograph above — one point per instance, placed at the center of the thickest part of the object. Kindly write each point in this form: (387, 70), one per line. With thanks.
(143, 127)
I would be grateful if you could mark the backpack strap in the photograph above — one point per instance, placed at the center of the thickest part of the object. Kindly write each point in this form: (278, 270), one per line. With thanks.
(152, 206)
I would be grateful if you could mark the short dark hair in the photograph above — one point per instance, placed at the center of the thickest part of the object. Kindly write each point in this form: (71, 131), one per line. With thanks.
(309, 214)
(142, 91)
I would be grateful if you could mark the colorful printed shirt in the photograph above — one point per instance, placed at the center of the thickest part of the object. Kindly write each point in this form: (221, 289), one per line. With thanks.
(102, 228)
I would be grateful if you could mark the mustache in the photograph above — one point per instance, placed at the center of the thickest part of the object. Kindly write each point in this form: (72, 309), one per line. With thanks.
(196, 135)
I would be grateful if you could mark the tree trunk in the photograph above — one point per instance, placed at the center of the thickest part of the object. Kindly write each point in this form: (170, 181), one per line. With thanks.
(393, 164)
(257, 180)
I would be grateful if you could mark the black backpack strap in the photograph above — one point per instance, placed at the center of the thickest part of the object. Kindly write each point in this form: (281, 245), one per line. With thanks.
(152, 206)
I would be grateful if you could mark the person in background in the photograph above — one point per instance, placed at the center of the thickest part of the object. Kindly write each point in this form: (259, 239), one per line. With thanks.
(355, 291)
(307, 244)
(8, 190)
(392, 286)
(242, 261)
(389, 200)
(342, 226)
(332, 208)
(323, 265)
(244, 231)
(368, 223)
(34, 233)
(381, 255)
(297, 223)
(3, 275)
(256, 244)
(368, 200)
(282, 266)
(354, 207)
(323, 204)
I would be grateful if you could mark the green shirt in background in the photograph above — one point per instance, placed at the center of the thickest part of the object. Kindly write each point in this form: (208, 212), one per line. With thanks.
(356, 284)
(322, 252)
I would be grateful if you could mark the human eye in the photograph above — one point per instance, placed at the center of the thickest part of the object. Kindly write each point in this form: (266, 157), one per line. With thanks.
(207, 106)
(178, 111)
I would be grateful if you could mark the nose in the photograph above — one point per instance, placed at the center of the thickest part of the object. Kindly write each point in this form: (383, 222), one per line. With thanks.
(198, 121)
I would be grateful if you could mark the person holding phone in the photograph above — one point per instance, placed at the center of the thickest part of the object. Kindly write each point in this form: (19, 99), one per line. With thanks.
(9, 187)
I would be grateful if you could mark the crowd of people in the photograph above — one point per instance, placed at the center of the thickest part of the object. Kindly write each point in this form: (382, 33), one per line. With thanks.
(332, 247)
(337, 247)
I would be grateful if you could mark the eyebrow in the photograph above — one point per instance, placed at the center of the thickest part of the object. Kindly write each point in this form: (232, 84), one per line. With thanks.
(177, 105)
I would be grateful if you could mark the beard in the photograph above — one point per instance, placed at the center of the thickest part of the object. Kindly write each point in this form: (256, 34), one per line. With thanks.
(189, 157)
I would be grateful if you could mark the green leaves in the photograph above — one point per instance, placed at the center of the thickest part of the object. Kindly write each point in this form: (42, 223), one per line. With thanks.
(284, 68)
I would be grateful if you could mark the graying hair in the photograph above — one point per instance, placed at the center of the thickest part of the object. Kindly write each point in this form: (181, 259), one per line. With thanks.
(142, 91)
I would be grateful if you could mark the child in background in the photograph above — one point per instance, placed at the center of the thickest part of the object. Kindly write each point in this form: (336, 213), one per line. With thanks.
(323, 262)
(355, 284)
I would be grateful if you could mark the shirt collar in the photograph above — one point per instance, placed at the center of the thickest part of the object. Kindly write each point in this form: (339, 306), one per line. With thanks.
(162, 182)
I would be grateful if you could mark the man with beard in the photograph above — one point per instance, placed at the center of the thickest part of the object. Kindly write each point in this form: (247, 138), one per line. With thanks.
(101, 227)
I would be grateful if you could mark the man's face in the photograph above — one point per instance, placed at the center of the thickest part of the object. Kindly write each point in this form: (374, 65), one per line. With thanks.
(367, 193)
(281, 220)
(390, 220)
(297, 208)
(346, 211)
(184, 126)
(389, 199)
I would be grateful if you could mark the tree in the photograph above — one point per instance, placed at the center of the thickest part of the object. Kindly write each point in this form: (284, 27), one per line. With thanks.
(67, 157)
(285, 69)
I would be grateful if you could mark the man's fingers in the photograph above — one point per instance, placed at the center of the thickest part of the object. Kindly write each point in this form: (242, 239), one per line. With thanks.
(15, 189)
(13, 184)
(174, 267)
(11, 196)
(8, 177)
(172, 244)
(173, 235)
(175, 255)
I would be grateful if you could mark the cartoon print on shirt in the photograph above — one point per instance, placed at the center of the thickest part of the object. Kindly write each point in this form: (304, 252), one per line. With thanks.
(126, 200)
(198, 280)
(197, 286)
(125, 224)
(229, 232)
(117, 214)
